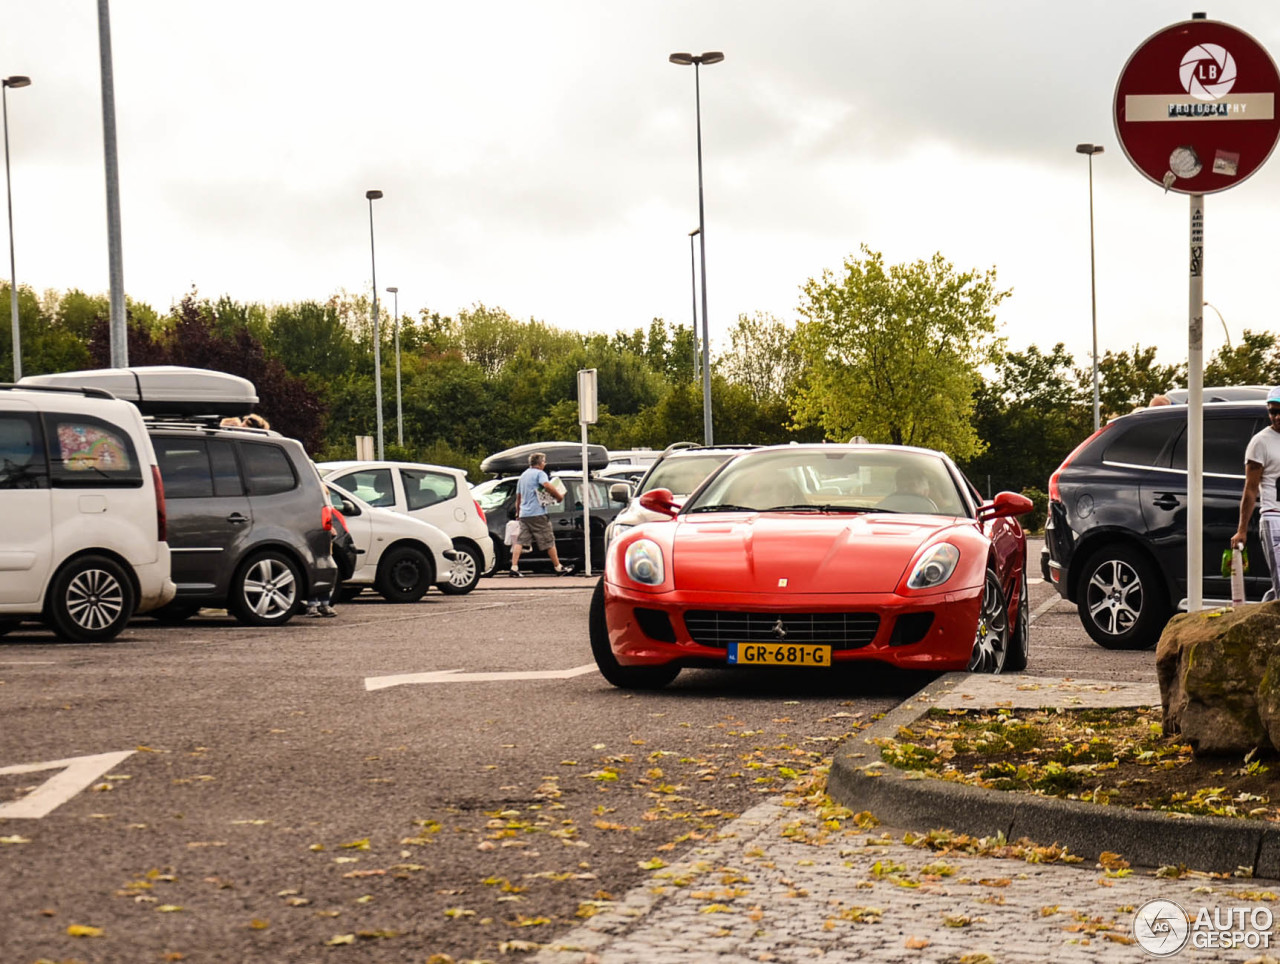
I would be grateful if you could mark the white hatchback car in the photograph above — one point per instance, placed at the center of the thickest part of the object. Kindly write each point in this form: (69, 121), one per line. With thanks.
(83, 508)
(436, 494)
(400, 557)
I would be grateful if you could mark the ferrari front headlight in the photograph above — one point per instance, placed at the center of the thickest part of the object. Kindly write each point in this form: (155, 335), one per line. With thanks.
(935, 567)
(644, 562)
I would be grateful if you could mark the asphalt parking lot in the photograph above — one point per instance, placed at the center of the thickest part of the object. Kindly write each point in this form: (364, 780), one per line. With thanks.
(443, 777)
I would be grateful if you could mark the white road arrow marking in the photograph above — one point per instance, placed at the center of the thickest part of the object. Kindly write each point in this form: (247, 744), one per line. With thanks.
(77, 773)
(458, 676)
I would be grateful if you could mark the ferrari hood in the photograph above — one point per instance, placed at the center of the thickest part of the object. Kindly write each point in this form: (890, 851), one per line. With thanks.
(812, 553)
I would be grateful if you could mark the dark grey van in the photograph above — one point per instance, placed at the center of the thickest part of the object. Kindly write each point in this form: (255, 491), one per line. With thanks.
(246, 522)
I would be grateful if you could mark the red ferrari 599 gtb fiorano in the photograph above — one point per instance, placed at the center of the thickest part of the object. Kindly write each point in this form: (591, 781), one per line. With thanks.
(812, 556)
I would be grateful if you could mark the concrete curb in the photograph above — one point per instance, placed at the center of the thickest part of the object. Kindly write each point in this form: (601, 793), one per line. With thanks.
(1145, 838)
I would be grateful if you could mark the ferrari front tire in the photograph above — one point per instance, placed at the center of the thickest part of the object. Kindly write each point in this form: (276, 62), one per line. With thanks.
(1020, 639)
(991, 639)
(623, 677)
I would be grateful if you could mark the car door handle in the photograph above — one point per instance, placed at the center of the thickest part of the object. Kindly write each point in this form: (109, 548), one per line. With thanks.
(236, 519)
(1166, 500)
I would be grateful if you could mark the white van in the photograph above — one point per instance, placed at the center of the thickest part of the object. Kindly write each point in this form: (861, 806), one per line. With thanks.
(83, 513)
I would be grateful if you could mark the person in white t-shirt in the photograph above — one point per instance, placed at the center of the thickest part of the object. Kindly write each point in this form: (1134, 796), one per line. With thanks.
(1262, 487)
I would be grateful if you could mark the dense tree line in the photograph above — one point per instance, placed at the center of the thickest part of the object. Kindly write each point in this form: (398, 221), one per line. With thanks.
(906, 353)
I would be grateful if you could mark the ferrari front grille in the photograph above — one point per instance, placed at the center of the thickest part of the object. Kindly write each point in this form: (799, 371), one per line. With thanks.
(837, 630)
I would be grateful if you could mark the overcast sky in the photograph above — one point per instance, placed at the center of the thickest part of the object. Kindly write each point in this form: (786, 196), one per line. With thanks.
(541, 157)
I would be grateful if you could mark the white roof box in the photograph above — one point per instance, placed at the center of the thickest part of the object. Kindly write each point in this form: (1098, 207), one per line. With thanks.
(164, 389)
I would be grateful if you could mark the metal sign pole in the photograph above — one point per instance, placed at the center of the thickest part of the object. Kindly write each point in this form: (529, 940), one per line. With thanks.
(1195, 411)
(586, 507)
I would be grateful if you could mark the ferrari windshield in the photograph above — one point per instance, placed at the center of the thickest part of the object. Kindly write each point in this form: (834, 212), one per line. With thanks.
(834, 479)
(683, 473)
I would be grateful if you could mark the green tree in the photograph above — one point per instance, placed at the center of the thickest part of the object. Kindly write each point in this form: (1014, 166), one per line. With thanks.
(1128, 379)
(893, 353)
(1031, 414)
(763, 357)
(1254, 361)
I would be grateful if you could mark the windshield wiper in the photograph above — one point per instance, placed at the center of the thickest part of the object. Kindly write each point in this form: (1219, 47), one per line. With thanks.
(827, 507)
(722, 508)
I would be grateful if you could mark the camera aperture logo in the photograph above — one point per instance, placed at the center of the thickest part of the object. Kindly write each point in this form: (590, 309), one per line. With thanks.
(1162, 928)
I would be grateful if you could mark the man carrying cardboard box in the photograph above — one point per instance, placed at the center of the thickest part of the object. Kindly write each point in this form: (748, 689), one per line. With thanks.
(535, 528)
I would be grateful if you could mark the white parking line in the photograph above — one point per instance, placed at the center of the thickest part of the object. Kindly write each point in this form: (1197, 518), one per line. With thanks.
(77, 772)
(458, 676)
(1045, 606)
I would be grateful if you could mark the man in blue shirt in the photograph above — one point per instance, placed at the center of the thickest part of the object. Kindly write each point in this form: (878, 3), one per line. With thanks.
(535, 527)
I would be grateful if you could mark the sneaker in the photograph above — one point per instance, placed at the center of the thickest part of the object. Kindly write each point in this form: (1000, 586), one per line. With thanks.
(312, 611)
(515, 573)
(327, 610)
(564, 570)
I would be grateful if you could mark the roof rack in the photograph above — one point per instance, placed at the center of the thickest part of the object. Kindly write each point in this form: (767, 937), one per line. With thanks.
(84, 390)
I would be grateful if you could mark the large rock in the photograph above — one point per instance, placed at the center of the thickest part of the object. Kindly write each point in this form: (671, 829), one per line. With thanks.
(1219, 675)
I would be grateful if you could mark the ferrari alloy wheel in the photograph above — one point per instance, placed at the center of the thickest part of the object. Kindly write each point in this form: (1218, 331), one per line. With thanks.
(1121, 599)
(465, 572)
(991, 641)
(623, 677)
(1020, 640)
(90, 600)
(264, 590)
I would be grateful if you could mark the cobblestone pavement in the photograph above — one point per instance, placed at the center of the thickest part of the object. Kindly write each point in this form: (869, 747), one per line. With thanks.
(777, 885)
(762, 894)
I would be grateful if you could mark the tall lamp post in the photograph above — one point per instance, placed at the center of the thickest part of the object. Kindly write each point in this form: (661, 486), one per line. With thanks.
(119, 338)
(377, 340)
(15, 81)
(395, 293)
(1224, 324)
(693, 275)
(1090, 150)
(684, 60)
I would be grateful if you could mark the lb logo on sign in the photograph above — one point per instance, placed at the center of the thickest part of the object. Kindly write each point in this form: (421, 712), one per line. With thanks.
(1208, 71)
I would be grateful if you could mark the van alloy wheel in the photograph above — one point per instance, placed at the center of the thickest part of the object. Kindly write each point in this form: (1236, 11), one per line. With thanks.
(91, 600)
(264, 591)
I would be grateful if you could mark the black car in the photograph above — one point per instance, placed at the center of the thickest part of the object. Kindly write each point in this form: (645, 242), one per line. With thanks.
(1117, 526)
(497, 497)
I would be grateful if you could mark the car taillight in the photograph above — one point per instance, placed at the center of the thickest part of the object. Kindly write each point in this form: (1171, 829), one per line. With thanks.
(1055, 494)
(162, 519)
(479, 511)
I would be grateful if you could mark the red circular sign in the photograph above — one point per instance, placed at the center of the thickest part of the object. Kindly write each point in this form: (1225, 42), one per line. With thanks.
(1196, 107)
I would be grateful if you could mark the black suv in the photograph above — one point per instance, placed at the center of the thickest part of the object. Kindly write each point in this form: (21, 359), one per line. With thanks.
(246, 521)
(1117, 527)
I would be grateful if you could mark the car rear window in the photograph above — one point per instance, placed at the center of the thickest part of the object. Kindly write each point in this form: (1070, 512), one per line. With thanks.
(22, 460)
(197, 468)
(1225, 440)
(1144, 442)
(88, 452)
(267, 468)
(422, 488)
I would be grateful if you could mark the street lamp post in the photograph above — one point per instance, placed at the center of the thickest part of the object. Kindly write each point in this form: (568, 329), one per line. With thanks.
(377, 347)
(119, 337)
(684, 59)
(1224, 324)
(15, 81)
(395, 293)
(1090, 150)
(693, 275)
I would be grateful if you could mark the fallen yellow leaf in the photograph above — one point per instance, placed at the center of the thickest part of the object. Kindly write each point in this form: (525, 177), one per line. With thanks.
(340, 939)
(84, 930)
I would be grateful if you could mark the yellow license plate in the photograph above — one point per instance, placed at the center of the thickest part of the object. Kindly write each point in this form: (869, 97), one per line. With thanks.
(779, 654)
